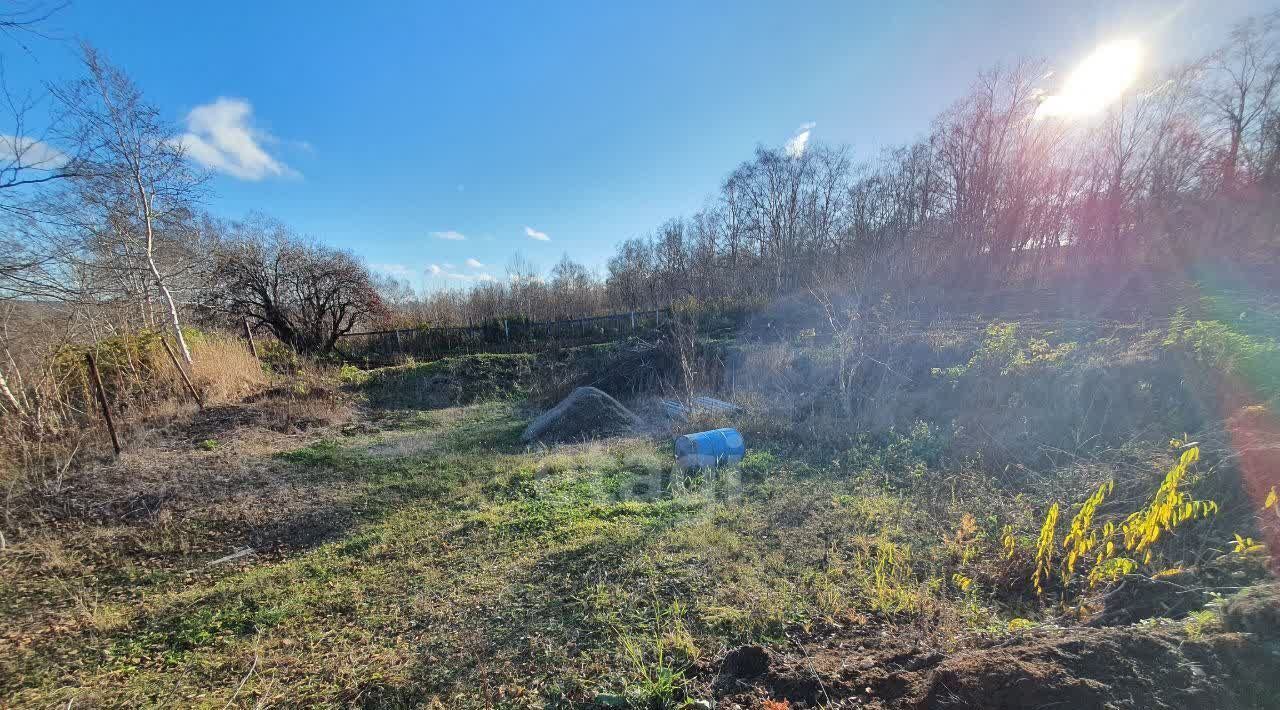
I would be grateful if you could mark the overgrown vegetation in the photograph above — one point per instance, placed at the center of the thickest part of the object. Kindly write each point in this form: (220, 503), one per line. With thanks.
(425, 556)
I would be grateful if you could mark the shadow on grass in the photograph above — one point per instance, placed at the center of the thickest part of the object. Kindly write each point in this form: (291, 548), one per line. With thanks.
(552, 633)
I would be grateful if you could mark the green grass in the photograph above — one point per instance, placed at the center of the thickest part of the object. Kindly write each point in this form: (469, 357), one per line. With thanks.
(479, 574)
(460, 568)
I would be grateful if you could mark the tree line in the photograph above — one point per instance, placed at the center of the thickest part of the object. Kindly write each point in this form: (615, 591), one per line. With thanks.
(1182, 168)
(104, 226)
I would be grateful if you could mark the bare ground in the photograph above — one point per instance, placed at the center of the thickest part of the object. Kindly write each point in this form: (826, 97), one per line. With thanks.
(1118, 667)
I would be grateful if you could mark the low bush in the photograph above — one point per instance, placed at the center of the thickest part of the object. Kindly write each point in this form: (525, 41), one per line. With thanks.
(1250, 363)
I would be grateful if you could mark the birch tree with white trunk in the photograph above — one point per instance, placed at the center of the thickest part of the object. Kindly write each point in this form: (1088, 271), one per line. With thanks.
(136, 176)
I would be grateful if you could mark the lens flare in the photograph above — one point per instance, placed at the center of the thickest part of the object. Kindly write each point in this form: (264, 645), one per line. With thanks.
(1099, 80)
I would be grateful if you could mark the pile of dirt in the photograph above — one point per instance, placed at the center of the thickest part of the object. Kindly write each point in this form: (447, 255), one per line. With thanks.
(587, 413)
(1115, 667)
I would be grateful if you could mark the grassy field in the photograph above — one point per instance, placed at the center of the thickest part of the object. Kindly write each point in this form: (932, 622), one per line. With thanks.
(407, 557)
(475, 573)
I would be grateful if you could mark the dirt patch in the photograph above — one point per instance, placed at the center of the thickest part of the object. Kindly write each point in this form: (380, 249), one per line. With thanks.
(210, 473)
(287, 410)
(303, 529)
(215, 423)
(300, 409)
(587, 413)
(1115, 667)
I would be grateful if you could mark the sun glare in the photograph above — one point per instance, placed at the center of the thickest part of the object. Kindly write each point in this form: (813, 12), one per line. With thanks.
(1099, 80)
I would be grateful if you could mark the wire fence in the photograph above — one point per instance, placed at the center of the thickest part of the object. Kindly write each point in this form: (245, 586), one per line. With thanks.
(1069, 309)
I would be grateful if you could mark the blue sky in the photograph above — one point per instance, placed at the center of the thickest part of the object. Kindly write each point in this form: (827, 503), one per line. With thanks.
(431, 133)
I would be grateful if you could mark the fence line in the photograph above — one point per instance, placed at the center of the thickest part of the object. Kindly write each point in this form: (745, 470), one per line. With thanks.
(383, 347)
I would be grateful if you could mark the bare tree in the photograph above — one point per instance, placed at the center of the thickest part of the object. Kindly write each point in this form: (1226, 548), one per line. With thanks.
(1241, 87)
(19, 19)
(136, 183)
(307, 295)
(996, 193)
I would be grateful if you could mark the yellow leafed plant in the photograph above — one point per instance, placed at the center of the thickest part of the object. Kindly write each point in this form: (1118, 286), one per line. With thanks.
(1009, 542)
(1113, 551)
(1170, 508)
(1083, 537)
(1044, 549)
(1244, 545)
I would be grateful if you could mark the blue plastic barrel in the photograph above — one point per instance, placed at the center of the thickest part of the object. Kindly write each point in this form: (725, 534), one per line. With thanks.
(718, 447)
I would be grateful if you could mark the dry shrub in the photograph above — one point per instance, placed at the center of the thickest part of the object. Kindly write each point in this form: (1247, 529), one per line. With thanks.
(623, 371)
(58, 421)
(55, 396)
(224, 370)
(1014, 395)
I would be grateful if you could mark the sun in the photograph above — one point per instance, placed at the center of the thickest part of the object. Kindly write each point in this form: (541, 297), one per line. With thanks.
(1098, 81)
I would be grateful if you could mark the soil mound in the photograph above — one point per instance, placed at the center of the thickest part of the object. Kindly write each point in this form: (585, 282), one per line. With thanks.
(1255, 610)
(1112, 668)
(1173, 596)
(587, 413)
(745, 662)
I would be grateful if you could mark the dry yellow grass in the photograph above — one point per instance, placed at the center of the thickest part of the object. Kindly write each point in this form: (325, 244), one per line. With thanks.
(222, 369)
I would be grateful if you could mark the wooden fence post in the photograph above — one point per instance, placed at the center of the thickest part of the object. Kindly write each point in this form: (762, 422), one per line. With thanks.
(102, 400)
(186, 380)
(248, 333)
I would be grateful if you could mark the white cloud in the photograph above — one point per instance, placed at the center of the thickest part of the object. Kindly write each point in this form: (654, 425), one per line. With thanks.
(450, 235)
(447, 272)
(474, 264)
(536, 235)
(400, 271)
(798, 142)
(220, 136)
(30, 153)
